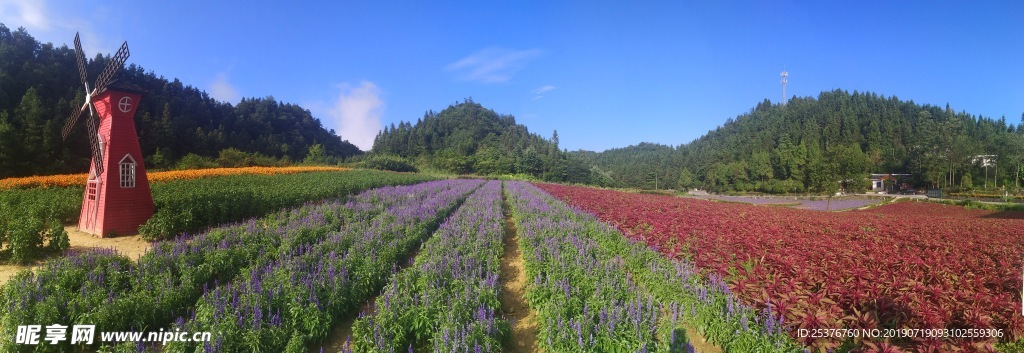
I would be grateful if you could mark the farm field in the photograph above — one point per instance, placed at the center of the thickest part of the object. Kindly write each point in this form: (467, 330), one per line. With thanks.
(595, 290)
(285, 281)
(605, 271)
(191, 202)
(905, 265)
(296, 269)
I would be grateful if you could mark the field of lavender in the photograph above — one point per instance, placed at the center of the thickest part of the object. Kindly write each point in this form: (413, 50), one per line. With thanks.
(284, 282)
(448, 301)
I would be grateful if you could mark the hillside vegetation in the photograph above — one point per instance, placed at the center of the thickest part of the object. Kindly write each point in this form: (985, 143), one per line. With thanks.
(810, 144)
(467, 138)
(40, 87)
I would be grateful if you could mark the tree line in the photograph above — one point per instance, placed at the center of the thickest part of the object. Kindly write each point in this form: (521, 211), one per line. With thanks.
(40, 87)
(829, 143)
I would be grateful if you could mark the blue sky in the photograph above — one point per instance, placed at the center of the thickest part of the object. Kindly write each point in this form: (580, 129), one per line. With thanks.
(604, 74)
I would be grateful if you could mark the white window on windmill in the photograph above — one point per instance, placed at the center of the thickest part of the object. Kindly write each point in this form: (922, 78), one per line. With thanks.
(127, 169)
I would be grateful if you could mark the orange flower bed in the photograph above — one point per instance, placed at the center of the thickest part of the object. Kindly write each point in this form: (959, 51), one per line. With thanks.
(65, 180)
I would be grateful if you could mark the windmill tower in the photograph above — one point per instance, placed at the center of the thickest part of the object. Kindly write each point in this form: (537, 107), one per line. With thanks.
(785, 79)
(117, 197)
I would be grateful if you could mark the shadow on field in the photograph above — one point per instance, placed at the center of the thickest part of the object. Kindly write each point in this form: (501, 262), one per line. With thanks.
(1006, 215)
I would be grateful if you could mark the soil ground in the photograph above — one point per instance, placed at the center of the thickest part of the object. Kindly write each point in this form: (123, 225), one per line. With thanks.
(513, 291)
(341, 333)
(701, 345)
(131, 246)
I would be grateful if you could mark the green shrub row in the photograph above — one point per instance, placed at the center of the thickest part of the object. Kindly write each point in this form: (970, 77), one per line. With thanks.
(191, 205)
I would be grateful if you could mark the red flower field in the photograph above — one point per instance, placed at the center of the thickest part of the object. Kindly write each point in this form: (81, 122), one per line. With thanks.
(905, 265)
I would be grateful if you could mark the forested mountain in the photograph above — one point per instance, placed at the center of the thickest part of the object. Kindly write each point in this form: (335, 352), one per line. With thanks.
(810, 144)
(647, 165)
(468, 138)
(39, 88)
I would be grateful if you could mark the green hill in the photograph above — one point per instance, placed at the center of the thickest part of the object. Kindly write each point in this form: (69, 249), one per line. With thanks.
(467, 138)
(810, 144)
(40, 87)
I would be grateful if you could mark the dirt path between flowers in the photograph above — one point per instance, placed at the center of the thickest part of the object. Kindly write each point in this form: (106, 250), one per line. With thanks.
(513, 290)
(132, 246)
(699, 343)
(338, 338)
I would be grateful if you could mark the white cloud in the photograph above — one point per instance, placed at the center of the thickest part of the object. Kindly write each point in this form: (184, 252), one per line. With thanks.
(539, 92)
(28, 13)
(56, 25)
(356, 115)
(222, 90)
(492, 65)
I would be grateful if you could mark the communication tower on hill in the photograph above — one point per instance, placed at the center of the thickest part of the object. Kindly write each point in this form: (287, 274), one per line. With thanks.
(785, 78)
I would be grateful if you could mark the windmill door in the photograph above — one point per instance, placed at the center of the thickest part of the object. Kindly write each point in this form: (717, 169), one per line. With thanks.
(91, 204)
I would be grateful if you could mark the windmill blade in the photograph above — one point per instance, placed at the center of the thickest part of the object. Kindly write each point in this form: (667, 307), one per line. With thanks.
(115, 64)
(81, 62)
(71, 123)
(80, 56)
(94, 144)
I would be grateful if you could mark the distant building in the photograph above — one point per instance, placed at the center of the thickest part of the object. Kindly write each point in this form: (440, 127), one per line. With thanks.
(889, 183)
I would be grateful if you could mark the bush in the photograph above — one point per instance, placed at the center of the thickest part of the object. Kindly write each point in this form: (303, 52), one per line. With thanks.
(195, 161)
(231, 158)
(388, 162)
(31, 221)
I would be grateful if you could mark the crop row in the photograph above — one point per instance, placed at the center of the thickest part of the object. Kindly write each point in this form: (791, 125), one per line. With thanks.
(584, 301)
(686, 300)
(282, 305)
(190, 205)
(448, 300)
(77, 180)
(115, 294)
(904, 265)
(30, 218)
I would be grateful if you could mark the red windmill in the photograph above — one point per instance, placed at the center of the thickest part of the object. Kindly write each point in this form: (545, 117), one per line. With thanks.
(117, 198)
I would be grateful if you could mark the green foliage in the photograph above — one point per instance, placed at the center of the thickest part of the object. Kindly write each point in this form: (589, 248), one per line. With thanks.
(194, 161)
(40, 87)
(316, 155)
(797, 143)
(467, 138)
(31, 221)
(78, 281)
(1011, 347)
(158, 161)
(232, 157)
(191, 205)
(387, 162)
(966, 182)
